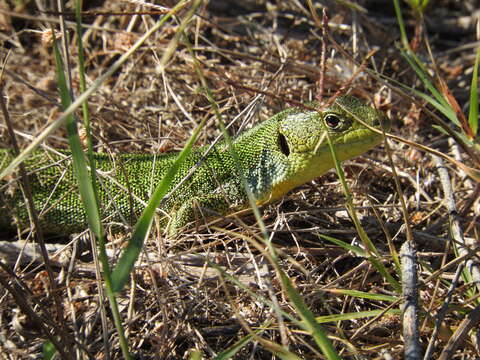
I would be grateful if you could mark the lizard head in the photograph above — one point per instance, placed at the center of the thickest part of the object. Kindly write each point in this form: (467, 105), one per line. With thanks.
(305, 132)
(302, 141)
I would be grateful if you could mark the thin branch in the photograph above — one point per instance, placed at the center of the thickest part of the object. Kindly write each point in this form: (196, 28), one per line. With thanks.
(412, 349)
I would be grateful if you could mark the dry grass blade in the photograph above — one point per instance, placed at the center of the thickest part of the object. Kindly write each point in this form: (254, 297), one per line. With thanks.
(84, 96)
(456, 230)
(471, 321)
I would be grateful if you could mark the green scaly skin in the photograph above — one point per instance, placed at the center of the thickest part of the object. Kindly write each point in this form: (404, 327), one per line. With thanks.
(279, 154)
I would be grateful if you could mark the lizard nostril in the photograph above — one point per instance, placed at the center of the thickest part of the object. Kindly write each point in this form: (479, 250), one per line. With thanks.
(282, 143)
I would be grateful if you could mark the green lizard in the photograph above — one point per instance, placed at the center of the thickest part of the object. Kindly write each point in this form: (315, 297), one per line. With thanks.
(279, 154)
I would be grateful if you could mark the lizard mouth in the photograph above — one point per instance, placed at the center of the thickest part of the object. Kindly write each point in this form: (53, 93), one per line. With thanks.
(357, 142)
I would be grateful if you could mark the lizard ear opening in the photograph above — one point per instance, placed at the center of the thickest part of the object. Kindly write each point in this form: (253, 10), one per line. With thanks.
(282, 143)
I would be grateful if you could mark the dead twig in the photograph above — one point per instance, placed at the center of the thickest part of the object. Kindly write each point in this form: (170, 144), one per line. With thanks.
(412, 349)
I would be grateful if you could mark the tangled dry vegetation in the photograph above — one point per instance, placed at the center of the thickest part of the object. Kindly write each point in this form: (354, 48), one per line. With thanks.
(256, 56)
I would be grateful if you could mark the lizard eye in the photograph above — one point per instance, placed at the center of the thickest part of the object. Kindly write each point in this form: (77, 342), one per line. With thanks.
(332, 121)
(282, 143)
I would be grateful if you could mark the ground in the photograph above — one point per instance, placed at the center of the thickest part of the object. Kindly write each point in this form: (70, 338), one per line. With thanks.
(257, 58)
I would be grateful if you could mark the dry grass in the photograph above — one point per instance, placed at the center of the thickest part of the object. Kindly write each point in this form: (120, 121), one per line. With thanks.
(175, 302)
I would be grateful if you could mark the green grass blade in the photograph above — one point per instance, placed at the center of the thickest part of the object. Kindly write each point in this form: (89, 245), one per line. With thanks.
(362, 294)
(368, 244)
(101, 241)
(85, 187)
(253, 294)
(309, 324)
(280, 351)
(355, 315)
(235, 348)
(196, 355)
(251, 198)
(48, 350)
(401, 24)
(370, 248)
(444, 109)
(275, 349)
(375, 262)
(418, 6)
(83, 87)
(473, 113)
(121, 273)
(355, 249)
(441, 103)
(442, 126)
(385, 273)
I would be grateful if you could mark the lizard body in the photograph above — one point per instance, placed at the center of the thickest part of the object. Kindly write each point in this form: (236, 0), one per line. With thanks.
(277, 155)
